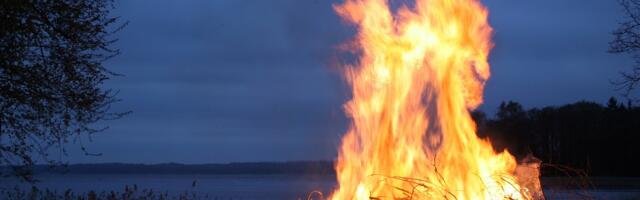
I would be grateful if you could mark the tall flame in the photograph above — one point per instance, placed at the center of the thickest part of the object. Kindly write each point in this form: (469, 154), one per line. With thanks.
(421, 70)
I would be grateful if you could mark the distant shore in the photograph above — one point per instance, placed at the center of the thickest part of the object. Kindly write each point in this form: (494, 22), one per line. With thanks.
(294, 167)
(320, 168)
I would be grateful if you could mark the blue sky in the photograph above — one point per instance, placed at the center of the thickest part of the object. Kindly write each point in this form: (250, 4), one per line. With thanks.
(251, 80)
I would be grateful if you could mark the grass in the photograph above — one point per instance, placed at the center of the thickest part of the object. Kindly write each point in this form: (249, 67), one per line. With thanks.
(129, 193)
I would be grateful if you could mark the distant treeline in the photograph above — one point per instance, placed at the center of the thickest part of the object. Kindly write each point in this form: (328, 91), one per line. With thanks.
(298, 167)
(603, 140)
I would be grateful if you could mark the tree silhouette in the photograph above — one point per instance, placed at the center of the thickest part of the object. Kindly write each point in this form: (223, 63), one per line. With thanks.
(51, 73)
(627, 40)
(511, 119)
(602, 140)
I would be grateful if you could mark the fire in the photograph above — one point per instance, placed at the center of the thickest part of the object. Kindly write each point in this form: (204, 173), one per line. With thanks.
(422, 69)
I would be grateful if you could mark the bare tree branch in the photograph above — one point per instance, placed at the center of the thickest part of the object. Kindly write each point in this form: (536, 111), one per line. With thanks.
(627, 40)
(51, 77)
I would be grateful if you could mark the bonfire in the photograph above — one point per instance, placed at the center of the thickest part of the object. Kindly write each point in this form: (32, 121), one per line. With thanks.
(421, 70)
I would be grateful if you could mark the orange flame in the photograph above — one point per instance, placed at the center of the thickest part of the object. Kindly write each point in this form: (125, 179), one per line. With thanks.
(420, 72)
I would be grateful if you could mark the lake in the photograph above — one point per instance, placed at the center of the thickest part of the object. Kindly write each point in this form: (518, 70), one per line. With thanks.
(246, 187)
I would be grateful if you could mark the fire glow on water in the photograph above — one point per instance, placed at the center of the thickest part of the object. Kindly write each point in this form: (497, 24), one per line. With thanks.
(420, 72)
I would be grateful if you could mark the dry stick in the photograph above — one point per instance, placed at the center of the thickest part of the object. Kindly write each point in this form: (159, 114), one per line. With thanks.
(413, 181)
(567, 172)
(512, 185)
(584, 183)
(416, 185)
(441, 178)
(310, 196)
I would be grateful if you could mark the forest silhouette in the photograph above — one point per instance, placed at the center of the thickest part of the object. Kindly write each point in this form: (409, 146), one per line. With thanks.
(598, 139)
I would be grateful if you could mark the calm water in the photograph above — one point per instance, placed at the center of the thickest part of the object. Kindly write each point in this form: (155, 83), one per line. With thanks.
(221, 186)
(232, 186)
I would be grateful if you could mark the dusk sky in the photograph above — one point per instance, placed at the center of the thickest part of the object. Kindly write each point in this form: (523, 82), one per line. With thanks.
(252, 80)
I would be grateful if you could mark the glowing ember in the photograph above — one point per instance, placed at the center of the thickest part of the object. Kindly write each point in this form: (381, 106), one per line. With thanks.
(420, 72)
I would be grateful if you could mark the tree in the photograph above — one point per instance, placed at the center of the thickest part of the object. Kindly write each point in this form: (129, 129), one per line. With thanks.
(51, 77)
(510, 111)
(512, 123)
(627, 40)
(612, 104)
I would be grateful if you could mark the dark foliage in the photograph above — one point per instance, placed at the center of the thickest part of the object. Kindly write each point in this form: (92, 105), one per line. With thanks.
(129, 193)
(599, 139)
(51, 72)
(627, 40)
